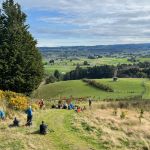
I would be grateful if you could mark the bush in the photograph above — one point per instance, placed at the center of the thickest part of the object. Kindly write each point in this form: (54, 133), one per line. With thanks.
(123, 115)
(50, 79)
(18, 102)
(85, 63)
(12, 100)
(10, 94)
(98, 85)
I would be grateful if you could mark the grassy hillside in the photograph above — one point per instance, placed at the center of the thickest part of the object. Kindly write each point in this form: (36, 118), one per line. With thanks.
(123, 88)
(113, 132)
(28, 138)
(98, 129)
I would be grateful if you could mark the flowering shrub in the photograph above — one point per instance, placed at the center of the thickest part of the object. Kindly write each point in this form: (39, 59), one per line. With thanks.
(10, 94)
(18, 102)
(10, 100)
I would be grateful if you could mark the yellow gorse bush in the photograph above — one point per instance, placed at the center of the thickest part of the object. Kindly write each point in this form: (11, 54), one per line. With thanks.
(18, 102)
(10, 94)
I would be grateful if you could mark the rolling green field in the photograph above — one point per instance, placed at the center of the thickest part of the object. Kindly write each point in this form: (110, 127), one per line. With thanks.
(67, 65)
(123, 88)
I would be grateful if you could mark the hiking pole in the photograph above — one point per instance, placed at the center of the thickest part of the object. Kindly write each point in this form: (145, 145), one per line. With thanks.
(50, 130)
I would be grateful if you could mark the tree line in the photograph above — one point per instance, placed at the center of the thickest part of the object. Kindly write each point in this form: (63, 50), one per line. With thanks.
(139, 70)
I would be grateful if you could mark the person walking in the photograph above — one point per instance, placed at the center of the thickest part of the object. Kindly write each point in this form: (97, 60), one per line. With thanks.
(29, 116)
(90, 103)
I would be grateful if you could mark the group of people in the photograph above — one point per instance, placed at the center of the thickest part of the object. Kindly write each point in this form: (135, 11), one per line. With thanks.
(70, 106)
(43, 127)
(16, 122)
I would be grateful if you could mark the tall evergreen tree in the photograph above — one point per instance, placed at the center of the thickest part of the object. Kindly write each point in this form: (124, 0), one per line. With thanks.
(21, 68)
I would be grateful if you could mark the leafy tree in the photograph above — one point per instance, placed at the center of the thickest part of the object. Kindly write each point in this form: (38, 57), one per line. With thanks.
(50, 79)
(57, 74)
(21, 68)
(52, 61)
(85, 63)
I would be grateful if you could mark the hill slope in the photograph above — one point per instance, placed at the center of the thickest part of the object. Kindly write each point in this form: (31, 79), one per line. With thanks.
(63, 137)
(123, 88)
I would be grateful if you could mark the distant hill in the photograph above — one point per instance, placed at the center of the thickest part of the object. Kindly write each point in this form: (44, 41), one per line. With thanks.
(127, 48)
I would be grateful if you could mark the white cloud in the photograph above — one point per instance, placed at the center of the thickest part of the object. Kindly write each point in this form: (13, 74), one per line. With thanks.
(108, 20)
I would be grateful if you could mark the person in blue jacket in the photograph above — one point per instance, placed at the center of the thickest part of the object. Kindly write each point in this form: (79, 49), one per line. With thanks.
(71, 106)
(2, 114)
(29, 116)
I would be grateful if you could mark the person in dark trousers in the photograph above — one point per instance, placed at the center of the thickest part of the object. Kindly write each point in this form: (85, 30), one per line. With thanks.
(29, 116)
(90, 103)
(16, 122)
(43, 128)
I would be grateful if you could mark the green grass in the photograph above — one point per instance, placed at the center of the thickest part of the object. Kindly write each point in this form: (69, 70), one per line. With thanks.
(123, 88)
(66, 66)
(144, 59)
(146, 94)
(75, 88)
(63, 137)
(49, 69)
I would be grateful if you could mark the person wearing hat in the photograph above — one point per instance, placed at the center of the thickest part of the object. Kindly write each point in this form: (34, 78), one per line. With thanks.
(29, 116)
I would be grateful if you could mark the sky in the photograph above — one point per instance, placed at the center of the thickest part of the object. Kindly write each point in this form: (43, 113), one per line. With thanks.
(88, 22)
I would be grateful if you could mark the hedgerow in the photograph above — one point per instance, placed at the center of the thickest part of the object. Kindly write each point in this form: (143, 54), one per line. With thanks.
(98, 85)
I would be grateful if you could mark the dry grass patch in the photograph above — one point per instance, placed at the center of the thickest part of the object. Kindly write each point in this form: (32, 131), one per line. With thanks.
(114, 131)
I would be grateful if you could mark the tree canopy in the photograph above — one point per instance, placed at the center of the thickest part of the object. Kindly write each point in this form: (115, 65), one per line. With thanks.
(21, 68)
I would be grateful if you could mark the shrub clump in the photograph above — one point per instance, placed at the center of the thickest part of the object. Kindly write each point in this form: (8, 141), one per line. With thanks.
(98, 85)
(15, 101)
(18, 102)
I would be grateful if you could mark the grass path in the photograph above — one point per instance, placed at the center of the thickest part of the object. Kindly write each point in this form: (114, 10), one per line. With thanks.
(63, 137)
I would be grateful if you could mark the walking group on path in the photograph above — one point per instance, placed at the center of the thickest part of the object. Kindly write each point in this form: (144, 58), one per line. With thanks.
(43, 127)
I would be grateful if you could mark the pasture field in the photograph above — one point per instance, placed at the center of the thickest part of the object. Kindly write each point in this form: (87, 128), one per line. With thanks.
(67, 65)
(123, 88)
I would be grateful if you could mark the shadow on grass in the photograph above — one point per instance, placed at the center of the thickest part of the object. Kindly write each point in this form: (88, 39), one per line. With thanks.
(38, 132)
(35, 132)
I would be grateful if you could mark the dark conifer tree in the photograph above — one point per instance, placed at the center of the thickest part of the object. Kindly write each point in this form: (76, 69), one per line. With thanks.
(21, 68)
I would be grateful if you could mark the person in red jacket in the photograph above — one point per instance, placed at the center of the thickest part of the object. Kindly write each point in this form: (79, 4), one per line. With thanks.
(41, 103)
